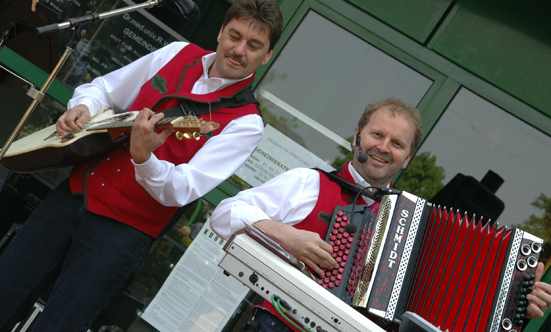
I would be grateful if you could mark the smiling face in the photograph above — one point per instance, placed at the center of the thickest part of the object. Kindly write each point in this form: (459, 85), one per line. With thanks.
(242, 47)
(387, 141)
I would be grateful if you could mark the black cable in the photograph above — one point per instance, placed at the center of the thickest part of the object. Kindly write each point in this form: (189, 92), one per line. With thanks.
(378, 196)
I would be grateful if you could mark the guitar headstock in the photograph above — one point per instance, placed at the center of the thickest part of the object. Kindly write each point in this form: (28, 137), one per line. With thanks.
(192, 127)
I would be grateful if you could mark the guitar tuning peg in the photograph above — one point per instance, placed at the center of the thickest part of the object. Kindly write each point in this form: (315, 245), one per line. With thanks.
(196, 135)
(180, 135)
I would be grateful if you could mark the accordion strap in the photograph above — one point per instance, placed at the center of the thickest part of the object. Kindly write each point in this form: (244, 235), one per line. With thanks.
(353, 189)
(347, 187)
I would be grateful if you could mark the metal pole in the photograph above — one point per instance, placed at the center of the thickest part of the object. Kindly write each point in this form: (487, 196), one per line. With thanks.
(37, 99)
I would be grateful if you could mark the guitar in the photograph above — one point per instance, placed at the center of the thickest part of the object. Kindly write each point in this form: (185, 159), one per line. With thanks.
(43, 150)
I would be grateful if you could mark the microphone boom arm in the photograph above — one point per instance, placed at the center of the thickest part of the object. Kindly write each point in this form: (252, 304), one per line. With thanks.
(94, 17)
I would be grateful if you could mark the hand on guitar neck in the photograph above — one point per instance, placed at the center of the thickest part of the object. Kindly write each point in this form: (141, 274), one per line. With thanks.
(144, 139)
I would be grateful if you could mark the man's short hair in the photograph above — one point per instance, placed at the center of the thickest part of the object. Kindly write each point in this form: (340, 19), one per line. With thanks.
(396, 107)
(265, 13)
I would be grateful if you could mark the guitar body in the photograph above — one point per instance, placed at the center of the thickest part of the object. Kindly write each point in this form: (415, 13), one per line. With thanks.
(43, 151)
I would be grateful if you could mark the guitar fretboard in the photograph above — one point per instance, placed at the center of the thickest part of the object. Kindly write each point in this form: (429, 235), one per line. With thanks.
(127, 124)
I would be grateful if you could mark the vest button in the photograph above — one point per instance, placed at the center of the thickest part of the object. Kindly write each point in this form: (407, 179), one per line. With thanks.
(92, 173)
(119, 170)
(103, 184)
(108, 158)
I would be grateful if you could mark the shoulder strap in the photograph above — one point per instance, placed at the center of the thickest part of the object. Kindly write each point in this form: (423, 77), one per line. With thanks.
(243, 97)
(348, 187)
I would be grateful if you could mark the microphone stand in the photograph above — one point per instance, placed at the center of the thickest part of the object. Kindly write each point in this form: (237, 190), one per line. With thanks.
(77, 24)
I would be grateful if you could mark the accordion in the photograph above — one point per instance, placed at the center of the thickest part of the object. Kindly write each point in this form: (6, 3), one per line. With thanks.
(457, 273)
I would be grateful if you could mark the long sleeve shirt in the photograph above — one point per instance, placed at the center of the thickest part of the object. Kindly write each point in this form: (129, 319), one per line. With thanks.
(287, 198)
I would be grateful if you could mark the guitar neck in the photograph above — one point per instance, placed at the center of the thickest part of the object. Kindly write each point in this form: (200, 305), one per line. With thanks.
(127, 125)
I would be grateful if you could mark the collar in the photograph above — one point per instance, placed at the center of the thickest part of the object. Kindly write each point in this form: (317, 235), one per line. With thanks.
(212, 84)
(361, 182)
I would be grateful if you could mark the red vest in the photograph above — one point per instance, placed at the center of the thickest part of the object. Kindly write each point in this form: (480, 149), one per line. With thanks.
(108, 182)
(330, 195)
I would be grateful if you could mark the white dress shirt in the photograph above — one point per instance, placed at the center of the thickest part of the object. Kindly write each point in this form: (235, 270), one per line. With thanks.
(219, 158)
(288, 198)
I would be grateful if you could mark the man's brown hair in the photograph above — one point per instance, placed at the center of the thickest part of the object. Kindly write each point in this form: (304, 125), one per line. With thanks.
(265, 13)
(396, 107)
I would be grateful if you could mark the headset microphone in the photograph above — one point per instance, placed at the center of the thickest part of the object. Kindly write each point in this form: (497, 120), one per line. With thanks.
(362, 157)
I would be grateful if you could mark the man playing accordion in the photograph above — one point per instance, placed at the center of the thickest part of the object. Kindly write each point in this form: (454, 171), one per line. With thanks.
(289, 207)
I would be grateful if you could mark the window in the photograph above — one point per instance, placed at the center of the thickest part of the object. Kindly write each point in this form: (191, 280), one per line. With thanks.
(320, 83)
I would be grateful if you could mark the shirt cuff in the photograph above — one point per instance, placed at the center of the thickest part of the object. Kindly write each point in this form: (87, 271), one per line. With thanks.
(148, 169)
(92, 105)
(249, 214)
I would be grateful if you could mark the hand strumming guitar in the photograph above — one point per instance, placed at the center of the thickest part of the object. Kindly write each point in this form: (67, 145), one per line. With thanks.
(72, 120)
(144, 139)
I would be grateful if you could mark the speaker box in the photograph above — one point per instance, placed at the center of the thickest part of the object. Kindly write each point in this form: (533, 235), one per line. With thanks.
(18, 17)
(20, 195)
